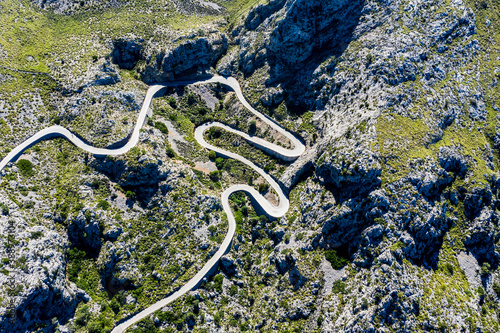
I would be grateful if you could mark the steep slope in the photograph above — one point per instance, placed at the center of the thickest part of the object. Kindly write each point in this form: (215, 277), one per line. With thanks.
(393, 224)
(406, 162)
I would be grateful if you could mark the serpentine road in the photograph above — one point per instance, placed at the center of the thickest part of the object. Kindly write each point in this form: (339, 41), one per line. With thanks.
(278, 151)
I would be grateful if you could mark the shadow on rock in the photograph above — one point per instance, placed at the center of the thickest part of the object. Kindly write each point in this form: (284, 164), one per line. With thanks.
(343, 230)
(349, 174)
(84, 233)
(126, 53)
(41, 306)
(305, 35)
(481, 238)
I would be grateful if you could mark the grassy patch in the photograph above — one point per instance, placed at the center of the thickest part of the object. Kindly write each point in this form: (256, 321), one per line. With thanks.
(401, 140)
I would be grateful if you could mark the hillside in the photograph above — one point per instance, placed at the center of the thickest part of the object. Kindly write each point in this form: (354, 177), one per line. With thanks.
(394, 206)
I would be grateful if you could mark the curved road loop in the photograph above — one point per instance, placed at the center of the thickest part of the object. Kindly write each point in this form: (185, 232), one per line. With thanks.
(278, 151)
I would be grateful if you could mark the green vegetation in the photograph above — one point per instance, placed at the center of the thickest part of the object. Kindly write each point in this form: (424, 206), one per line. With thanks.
(130, 194)
(224, 140)
(496, 288)
(238, 9)
(46, 37)
(25, 168)
(485, 269)
(4, 208)
(81, 270)
(335, 259)
(252, 127)
(211, 155)
(263, 187)
(51, 40)
(215, 176)
(307, 124)
(162, 127)
(339, 287)
(103, 204)
(36, 235)
(403, 139)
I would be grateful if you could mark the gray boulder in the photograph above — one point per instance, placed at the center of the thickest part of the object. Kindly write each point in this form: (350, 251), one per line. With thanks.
(227, 265)
(304, 28)
(261, 12)
(451, 159)
(297, 280)
(351, 172)
(299, 310)
(272, 96)
(475, 200)
(481, 236)
(283, 263)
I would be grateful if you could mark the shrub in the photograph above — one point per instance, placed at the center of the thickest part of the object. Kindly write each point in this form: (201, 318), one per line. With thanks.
(100, 324)
(339, 287)
(95, 183)
(36, 234)
(172, 102)
(115, 305)
(280, 111)
(218, 279)
(83, 316)
(170, 152)
(263, 187)
(214, 175)
(4, 208)
(238, 217)
(28, 204)
(214, 133)
(212, 229)
(130, 194)
(485, 269)
(219, 162)
(496, 288)
(76, 259)
(103, 204)
(337, 261)
(449, 268)
(369, 59)
(26, 168)
(270, 167)
(162, 127)
(191, 99)
(252, 127)
(233, 290)
(211, 155)
(217, 318)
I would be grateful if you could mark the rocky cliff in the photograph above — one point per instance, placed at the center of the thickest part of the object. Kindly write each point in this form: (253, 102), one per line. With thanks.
(397, 99)
(393, 224)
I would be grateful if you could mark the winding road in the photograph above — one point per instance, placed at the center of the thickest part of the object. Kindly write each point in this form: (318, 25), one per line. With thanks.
(278, 151)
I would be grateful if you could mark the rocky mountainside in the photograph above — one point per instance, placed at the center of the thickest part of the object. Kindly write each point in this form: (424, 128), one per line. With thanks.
(394, 207)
